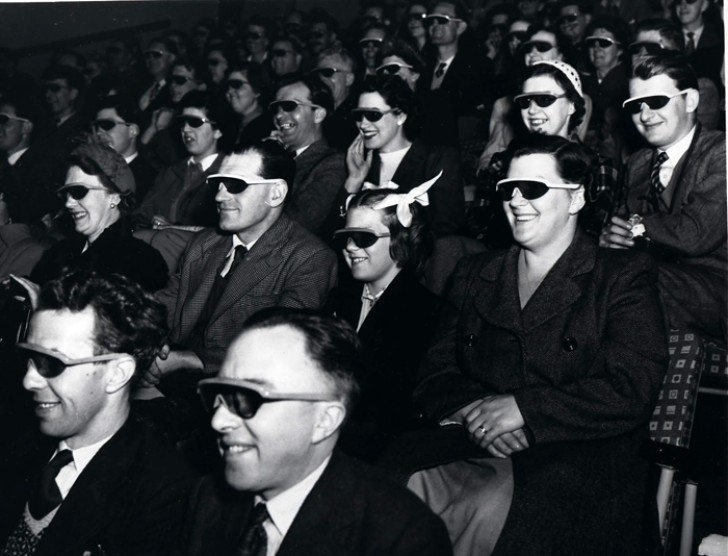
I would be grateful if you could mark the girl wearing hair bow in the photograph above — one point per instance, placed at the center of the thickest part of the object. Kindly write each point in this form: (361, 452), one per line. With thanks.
(385, 244)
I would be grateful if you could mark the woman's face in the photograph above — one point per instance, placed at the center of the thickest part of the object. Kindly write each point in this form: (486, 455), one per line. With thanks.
(549, 220)
(372, 265)
(182, 81)
(606, 57)
(217, 64)
(386, 133)
(94, 213)
(244, 98)
(410, 76)
(371, 46)
(549, 120)
(532, 52)
(415, 21)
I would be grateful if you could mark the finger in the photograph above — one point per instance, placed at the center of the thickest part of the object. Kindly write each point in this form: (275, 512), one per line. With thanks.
(621, 222)
(495, 451)
(618, 241)
(502, 446)
(522, 438)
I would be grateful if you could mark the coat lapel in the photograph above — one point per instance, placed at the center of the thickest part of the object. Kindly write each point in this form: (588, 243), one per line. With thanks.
(680, 186)
(213, 254)
(497, 301)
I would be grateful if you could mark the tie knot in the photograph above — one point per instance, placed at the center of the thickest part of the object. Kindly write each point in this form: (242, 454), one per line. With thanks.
(60, 460)
(661, 157)
(259, 514)
(440, 69)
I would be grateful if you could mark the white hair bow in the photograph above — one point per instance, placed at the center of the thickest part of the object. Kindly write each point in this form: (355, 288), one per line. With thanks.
(404, 200)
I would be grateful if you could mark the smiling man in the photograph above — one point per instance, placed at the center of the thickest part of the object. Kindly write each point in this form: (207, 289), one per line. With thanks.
(277, 407)
(259, 258)
(675, 205)
(300, 110)
(99, 481)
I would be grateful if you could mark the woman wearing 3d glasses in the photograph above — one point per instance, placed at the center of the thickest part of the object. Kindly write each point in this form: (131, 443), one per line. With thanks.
(386, 154)
(546, 364)
(385, 244)
(98, 194)
(249, 90)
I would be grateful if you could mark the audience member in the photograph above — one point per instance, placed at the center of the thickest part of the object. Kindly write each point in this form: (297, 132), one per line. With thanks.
(337, 69)
(300, 109)
(399, 58)
(158, 59)
(249, 90)
(63, 89)
(257, 258)
(298, 494)
(323, 31)
(385, 244)
(543, 375)
(98, 480)
(675, 201)
(370, 46)
(286, 56)
(574, 17)
(256, 39)
(704, 41)
(413, 27)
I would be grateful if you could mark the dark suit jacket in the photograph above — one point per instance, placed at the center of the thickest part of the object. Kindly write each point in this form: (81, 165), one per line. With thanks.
(709, 52)
(447, 199)
(352, 510)
(584, 360)
(287, 267)
(196, 206)
(144, 176)
(394, 337)
(320, 177)
(691, 235)
(130, 499)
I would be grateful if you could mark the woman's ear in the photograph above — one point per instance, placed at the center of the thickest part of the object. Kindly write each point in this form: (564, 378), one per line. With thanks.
(577, 200)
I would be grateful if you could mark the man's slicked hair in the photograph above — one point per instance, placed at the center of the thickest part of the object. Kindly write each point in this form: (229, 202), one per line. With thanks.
(671, 63)
(332, 344)
(128, 318)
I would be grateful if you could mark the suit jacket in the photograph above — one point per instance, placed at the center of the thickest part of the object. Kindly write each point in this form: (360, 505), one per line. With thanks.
(447, 198)
(195, 207)
(144, 176)
(353, 509)
(394, 337)
(287, 267)
(707, 59)
(692, 232)
(320, 177)
(130, 499)
(584, 360)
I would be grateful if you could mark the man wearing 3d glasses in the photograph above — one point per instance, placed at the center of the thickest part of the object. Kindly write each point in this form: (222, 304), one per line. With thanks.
(277, 407)
(675, 204)
(258, 258)
(97, 480)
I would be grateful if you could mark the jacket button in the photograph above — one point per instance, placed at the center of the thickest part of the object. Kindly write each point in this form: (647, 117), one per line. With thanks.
(471, 340)
(569, 343)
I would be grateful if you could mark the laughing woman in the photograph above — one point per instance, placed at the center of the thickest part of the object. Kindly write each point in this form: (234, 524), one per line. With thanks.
(386, 154)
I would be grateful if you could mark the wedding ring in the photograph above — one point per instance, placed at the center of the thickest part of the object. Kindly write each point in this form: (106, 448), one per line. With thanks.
(483, 429)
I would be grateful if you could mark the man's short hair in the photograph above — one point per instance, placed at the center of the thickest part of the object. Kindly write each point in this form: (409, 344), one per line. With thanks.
(461, 9)
(169, 45)
(206, 102)
(72, 76)
(343, 54)
(670, 32)
(585, 6)
(128, 318)
(671, 63)
(319, 93)
(195, 68)
(319, 15)
(277, 161)
(331, 343)
(125, 107)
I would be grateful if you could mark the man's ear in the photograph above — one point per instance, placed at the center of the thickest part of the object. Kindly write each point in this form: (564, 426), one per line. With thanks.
(462, 26)
(120, 372)
(134, 130)
(330, 419)
(692, 100)
(217, 134)
(73, 93)
(277, 194)
(319, 115)
(27, 128)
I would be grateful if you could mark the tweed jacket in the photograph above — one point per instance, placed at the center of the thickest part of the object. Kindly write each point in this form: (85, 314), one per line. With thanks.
(353, 510)
(584, 360)
(319, 183)
(130, 499)
(287, 267)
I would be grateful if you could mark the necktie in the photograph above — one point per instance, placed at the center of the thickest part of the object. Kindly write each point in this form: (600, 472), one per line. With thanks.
(655, 173)
(218, 288)
(255, 541)
(440, 71)
(690, 44)
(46, 496)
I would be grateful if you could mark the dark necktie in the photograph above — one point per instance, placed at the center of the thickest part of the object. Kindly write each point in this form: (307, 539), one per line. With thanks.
(656, 187)
(255, 541)
(46, 496)
(218, 288)
(690, 44)
(440, 71)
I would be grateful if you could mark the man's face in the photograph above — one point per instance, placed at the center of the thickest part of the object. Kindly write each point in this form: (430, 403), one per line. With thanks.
(662, 127)
(341, 81)
(255, 39)
(117, 56)
(73, 405)
(15, 133)
(181, 82)
(59, 97)
(158, 60)
(319, 37)
(273, 450)
(444, 33)
(199, 141)
(284, 59)
(298, 127)
(651, 36)
(244, 212)
(690, 14)
(121, 137)
(572, 23)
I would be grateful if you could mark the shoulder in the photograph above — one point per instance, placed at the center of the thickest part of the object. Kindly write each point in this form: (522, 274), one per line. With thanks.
(615, 264)
(298, 238)
(711, 141)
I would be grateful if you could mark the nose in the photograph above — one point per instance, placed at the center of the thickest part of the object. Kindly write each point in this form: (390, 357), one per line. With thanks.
(646, 112)
(517, 199)
(70, 201)
(222, 193)
(33, 381)
(532, 107)
(224, 420)
(350, 245)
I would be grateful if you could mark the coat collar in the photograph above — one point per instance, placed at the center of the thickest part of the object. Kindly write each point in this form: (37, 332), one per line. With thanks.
(498, 301)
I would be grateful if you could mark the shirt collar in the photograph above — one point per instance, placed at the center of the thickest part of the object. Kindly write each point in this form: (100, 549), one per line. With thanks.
(13, 158)
(675, 152)
(237, 242)
(205, 163)
(130, 159)
(447, 61)
(284, 507)
(82, 456)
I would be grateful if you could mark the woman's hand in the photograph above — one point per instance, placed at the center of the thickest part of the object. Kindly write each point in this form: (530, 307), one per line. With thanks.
(358, 164)
(617, 234)
(504, 445)
(31, 288)
(493, 417)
